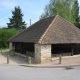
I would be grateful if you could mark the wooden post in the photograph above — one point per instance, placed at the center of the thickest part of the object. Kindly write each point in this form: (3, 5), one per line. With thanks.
(29, 60)
(72, 50)
(60, 58)
(7, 59)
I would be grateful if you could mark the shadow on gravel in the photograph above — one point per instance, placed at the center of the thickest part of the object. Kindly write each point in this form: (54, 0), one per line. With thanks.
(14, 59)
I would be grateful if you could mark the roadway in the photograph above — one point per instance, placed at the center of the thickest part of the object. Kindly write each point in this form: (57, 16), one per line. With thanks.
(14, 72)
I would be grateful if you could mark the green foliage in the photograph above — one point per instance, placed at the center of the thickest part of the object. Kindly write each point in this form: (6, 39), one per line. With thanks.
(75, 13)
(68, 9)
(16, 21)
(5, 34)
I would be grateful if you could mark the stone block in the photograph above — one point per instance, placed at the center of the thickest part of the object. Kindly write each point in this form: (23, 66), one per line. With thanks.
(42, 52)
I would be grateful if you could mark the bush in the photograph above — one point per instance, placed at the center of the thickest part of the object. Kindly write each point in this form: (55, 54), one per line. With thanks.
(5, 34)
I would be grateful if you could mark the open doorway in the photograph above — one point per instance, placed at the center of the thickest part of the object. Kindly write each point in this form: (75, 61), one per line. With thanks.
(61, 49)
(25, 48)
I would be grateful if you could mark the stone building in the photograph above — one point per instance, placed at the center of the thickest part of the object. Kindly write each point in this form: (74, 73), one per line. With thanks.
(47, 37)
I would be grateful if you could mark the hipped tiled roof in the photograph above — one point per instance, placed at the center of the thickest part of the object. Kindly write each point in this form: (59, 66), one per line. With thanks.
(52, 30)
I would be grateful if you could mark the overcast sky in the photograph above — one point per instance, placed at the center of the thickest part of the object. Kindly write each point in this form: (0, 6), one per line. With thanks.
(30, 8)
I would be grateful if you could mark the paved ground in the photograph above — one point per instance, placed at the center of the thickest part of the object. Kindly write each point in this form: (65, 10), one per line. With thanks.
(18, 60)
(8, 72)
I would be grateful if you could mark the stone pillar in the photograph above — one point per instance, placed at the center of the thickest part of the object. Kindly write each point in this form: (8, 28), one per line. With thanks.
(42, 53)
(10, 46)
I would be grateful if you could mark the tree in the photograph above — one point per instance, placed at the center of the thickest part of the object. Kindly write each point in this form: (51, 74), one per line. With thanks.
(75, 13)
(16, 21)
(65, 8)
(79, 21)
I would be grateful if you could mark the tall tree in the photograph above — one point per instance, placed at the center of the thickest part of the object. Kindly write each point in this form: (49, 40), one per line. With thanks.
(65, 8)
(79, 20)
(16, 21)
(75, 12)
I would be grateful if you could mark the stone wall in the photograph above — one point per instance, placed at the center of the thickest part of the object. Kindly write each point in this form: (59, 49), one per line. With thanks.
(28, 53)
(42, 53)
(62, 54)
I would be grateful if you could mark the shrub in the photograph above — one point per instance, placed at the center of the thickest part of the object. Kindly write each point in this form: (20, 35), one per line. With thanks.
(5, 34)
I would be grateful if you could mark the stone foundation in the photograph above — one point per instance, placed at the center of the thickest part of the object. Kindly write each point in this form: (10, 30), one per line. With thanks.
(42, 53)
(28, 53)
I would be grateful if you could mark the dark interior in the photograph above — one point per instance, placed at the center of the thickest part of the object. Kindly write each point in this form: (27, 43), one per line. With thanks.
(55, 48)
(65, 48)
(61, 48)
(23, 47)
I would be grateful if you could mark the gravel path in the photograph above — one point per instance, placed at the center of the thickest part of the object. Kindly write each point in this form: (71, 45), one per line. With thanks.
(14, 60)
(17, 60)
(68, 60)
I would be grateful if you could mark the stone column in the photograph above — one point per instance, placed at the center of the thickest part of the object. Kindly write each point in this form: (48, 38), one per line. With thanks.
(42, 53)
(10, 46)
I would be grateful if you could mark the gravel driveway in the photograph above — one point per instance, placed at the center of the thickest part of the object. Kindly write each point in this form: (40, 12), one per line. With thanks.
(17, 60)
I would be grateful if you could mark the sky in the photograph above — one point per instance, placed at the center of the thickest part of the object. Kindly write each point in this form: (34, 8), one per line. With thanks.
(32, 9)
